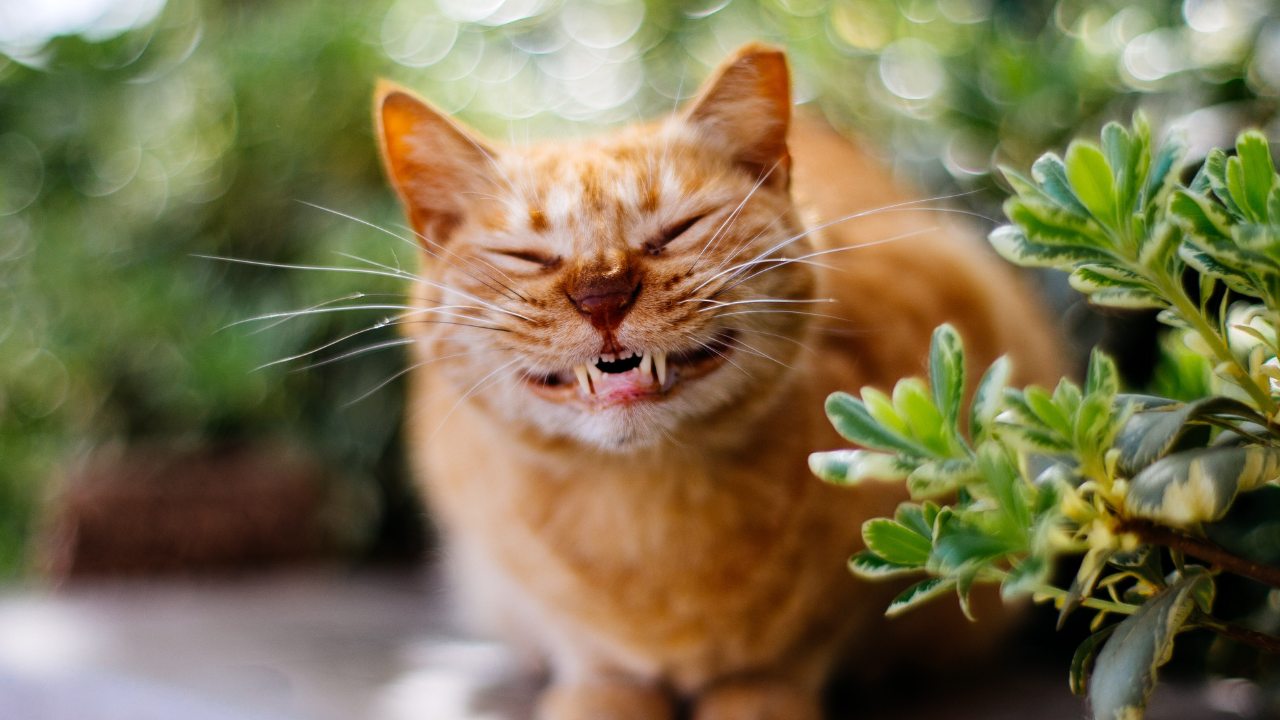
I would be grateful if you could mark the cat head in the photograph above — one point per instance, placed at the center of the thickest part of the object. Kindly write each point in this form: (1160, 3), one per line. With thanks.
(618, 291)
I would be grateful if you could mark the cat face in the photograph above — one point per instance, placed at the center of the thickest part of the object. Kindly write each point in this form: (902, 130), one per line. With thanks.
(616, 291)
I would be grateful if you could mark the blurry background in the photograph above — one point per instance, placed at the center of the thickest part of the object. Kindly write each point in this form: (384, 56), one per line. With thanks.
(144, 432)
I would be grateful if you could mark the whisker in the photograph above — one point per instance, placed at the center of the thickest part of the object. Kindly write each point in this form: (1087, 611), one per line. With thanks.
(410, 369)
(719, 304)
(407, 241)
(357, 351)
(782, 312)
(780, 262)
(442, 310)
(887, 208)
(364, 271)
(471, 391)
(715, 239)
(740, 345)
(776, 335)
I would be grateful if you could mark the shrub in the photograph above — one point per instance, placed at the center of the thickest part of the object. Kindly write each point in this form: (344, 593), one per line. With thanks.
(1138, 484)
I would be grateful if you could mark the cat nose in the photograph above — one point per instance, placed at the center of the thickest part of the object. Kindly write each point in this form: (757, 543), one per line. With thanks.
(605, 299)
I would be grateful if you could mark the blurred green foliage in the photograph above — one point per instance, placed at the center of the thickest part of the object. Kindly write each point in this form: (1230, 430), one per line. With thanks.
(198, 132)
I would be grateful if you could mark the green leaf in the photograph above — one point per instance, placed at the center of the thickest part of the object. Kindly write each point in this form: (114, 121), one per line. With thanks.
(1235, 186)
(1102, 378)
(870, 566)
(1195, 486)
(1084, 659)
(1046, 411)
(1163, 172)
(960, 545)
(850, 417)
(1025, 576)
(946, 372)
(1128, 299)
(1086, 579)
(1093, 278)
(1013, 246)
(940, 477)
(1051, 225)
(920, 593)
(911, 515)
(1029, 439)
(1215, 169)
(1119, 151)
(1206, 264)
(988, 399)
(1124, 674)
(1257, 173)
(1052, 176)
(1152, 434)
(881, 409)
(1202, 219)
(896, 543)
(1091, 180)
(912, 403)
(1004, 481)
(850, 467)
(1273, 205)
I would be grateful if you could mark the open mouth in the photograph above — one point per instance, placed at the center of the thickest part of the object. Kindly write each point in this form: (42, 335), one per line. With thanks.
(632, 374)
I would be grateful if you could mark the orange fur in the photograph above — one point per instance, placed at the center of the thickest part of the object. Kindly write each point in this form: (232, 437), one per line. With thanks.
(675, 546)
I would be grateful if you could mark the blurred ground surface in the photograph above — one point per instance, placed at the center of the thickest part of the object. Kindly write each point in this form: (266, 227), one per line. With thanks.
(334, 645)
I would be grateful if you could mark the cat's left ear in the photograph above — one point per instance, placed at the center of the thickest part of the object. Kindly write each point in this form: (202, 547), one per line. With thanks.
(746, 106)
(437, 167)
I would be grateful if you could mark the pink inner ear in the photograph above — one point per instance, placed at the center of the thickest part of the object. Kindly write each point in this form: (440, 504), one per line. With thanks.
(747, 106)
(435, 166)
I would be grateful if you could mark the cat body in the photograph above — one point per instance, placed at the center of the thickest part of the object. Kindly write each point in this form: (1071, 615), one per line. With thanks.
(626, 348)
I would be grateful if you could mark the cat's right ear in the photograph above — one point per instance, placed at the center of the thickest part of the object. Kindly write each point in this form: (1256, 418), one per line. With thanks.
(436, 167)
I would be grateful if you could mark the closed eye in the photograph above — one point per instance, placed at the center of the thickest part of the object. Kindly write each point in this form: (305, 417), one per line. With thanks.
(655, 245)
(546, 261)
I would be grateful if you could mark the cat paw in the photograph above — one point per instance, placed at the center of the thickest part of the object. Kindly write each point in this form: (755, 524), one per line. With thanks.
(604, 701)
(757, 700)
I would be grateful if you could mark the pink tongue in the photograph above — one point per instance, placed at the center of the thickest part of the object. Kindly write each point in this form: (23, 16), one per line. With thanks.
(621, 386)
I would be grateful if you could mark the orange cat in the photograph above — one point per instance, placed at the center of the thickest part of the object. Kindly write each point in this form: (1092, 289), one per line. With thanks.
(625, 346)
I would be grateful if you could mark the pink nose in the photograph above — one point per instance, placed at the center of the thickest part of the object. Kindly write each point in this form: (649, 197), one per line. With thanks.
(604, 299)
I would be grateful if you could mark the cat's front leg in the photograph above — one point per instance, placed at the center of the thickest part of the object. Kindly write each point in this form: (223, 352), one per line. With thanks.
(757, 699)
(605, 700)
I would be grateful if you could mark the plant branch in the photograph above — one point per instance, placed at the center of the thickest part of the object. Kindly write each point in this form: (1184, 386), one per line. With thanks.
(1153, 534)
(1262, 641)
(1058, 593)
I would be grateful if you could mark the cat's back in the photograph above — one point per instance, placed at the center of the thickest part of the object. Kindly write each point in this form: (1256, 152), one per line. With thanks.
(911, 263)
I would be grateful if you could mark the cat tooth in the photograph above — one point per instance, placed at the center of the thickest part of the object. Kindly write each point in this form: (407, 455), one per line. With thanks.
(608, 357)
(595, 373)
(646, 365)
(583, 381)
(660, 363)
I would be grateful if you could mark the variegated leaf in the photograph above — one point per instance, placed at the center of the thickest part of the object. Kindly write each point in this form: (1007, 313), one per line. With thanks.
(1151, 434)
(850, 467)
(939, 477)
(896, 542)
(870, 566)
(1197, 486)
(1014, 247)
(918, 594)
(850, 417)
(1124, 674)
(1050, 172)
(988, 399)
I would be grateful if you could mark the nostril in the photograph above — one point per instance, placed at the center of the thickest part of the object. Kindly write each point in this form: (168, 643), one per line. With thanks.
(605, 307)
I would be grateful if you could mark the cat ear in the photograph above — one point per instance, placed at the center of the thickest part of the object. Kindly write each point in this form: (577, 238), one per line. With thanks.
(436, 167)
(747, 106)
